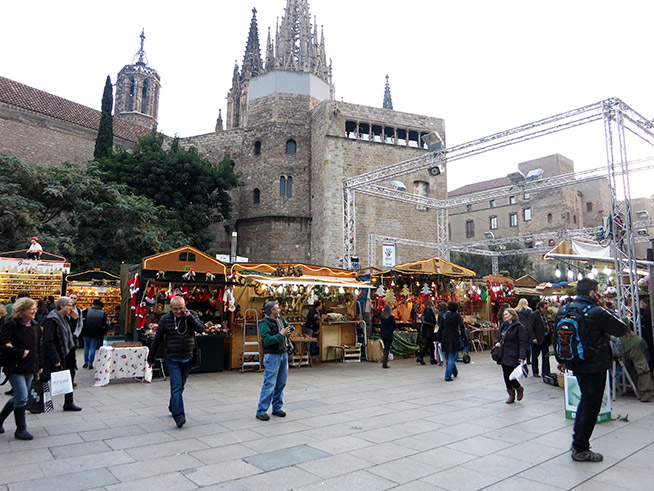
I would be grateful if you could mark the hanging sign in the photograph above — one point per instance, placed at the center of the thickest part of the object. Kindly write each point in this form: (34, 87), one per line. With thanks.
(388, 253)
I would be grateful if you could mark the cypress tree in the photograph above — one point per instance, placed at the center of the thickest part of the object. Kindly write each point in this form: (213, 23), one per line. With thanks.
(105, 140)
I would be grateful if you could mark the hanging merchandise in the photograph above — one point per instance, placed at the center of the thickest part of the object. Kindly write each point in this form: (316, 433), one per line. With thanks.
(405, 291)
(141, 314)
(381, 291)
(228, 299)
(150, 295)
(425, 290)
(390, 296)
(134, 288)
(190, 276)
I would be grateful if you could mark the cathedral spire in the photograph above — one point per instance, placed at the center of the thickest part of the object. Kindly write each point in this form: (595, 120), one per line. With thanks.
(388, 102)
(139, 57)
(270, 54)
(252, 62)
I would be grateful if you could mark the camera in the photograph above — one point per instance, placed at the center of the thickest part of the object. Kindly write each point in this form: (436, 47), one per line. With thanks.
(291, 328)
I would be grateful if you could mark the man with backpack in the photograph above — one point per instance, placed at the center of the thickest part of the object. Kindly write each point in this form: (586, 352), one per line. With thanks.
(582, 335)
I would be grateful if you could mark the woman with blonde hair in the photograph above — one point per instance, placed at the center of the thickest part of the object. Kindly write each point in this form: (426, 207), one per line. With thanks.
(20, 342)
(513, 339)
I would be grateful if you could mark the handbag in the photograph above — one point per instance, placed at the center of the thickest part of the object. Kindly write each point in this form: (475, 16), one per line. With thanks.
(39, 399)
(496, 353)
(61, 382)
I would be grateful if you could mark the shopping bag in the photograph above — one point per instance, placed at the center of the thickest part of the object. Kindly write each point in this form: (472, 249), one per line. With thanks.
(39, 399)
(60, 382)
(519, 372)
(573, 396)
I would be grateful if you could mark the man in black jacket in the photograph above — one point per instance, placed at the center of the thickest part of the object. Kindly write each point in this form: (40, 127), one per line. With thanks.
(538, 332)
(179, 327)
(591, 373)
(95, 325)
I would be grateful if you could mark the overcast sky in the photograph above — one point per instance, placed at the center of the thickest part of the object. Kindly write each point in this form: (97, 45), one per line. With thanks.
(483, 66)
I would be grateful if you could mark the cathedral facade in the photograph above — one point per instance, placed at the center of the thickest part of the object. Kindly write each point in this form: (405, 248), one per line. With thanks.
(293, 144)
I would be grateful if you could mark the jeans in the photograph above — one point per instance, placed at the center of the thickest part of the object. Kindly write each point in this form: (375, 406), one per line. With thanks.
(450, 369)
(388, 342)
(178, 373)
(591, 386)
(543, 349)
(274, 381)
(90, 345)
(20, 384)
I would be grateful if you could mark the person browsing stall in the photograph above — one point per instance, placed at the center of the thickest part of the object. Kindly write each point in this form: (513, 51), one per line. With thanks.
(178, 327)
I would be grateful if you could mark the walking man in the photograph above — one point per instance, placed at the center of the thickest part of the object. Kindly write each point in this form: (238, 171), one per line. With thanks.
(178, 327)
(538, 332)
(95, 324)
(599, 323)
(274, 332)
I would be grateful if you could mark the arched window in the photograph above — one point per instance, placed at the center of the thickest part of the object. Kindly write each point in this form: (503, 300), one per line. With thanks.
(144, 99)
(286, 186)
(257, 148)
(549, 218)
(282, 186)
(291, 146)
(256, 196)
(132, 90)
(289, 186)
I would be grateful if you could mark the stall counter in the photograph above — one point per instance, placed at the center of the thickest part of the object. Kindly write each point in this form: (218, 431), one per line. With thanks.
(336, 334)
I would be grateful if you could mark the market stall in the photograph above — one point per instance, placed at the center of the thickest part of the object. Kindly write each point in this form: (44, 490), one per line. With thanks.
(406, 287)
(200, 279)
(40, 278)
(296, 287)
(94, 284)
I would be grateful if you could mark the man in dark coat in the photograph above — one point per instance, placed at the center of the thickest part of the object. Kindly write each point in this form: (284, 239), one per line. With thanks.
(178, 327)
(538, 332)
(600, 323)
(451, 332)
(428, 319)
(95, 325)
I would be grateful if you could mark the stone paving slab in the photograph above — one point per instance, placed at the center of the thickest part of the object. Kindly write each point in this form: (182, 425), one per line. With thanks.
(349, 426)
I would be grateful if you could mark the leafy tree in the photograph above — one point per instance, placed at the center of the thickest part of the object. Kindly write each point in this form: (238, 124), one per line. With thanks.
(193, 190)
(516, 265)
(104, 142)
(76, 214)
(481, 265)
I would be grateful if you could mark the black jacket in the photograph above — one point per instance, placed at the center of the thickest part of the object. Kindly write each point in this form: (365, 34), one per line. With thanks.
(22, 338)
(536, 328)
(95, 323)
(514, 342)
(450, 331)
(179, 334)
(428, 323)
(601, 324)
(54, 348)
(388, 325)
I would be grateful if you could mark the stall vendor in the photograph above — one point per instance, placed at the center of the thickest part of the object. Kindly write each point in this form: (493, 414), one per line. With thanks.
(35, 250)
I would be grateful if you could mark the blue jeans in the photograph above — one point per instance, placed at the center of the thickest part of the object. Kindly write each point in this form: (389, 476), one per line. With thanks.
(20, 383)
(178, 373)
(90, 345)
(274, 381)
(450, 369)
(591, 386)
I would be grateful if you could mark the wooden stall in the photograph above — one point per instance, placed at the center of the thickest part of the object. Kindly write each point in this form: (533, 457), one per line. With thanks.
(94, 284)
(40, 278)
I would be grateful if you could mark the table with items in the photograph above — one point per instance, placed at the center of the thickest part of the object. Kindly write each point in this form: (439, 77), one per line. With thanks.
(114, 363)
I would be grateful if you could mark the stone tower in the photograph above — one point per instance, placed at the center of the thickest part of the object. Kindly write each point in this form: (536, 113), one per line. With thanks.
(137, 91)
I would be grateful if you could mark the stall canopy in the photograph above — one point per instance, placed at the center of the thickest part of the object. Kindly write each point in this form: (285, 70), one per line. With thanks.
(298, 274)
(174, 264)
(434, 266)
(580, 251)
(95, 276)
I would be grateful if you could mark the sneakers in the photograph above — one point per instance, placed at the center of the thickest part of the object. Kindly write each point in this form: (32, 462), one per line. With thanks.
(586, 456)
(263, 417)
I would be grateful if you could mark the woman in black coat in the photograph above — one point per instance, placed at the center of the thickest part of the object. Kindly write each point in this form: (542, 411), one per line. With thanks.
(450, 332)
(20, 341)
(513, 339)
(428, 319)
(388, 325)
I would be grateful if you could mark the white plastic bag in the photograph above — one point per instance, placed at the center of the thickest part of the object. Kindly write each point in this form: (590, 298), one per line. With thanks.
(519, 372)
(61, 382)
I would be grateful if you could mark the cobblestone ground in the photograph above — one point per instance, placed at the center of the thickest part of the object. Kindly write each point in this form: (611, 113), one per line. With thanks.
(349, 426)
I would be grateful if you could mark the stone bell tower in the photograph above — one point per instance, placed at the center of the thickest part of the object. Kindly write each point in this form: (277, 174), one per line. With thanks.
(137, 91)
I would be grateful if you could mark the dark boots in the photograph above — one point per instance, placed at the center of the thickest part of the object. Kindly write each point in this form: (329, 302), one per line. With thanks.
(420, 360)
(21, 427)
(4, 414)
(511, 398)
(385, 362)
(69, 405)
(520, 390)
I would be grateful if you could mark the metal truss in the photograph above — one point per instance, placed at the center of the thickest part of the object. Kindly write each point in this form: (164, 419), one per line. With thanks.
(618, 119)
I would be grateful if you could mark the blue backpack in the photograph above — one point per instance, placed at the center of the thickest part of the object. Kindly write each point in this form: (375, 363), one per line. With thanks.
(571, 341)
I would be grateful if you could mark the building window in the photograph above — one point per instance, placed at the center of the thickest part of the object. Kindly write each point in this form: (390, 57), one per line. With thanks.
(256, 196)
(468, 208)
(286, 186)
(513, 219)
(549, 218)
(527, 196)
(589, 206)
(493, 223)
(574, 218)
(421, 188)
(512, 200)
(527, 214)
(492, 203)
(257, 148)
(291, 146)
(187, 256)
(470, 229)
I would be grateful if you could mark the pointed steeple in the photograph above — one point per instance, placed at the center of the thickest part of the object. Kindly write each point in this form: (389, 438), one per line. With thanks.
(219, 121)
(388, 102)
(270, 54)
(252, 62)
(140, 58)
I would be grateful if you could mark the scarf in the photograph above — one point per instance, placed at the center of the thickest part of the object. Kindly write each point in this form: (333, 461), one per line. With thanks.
(64, 330)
